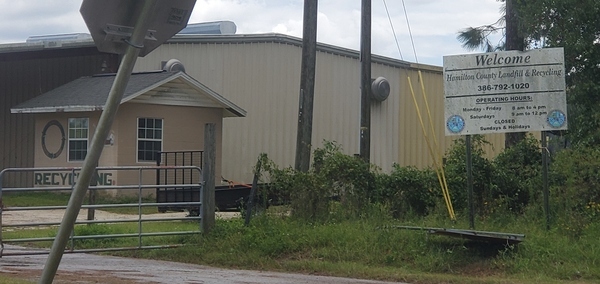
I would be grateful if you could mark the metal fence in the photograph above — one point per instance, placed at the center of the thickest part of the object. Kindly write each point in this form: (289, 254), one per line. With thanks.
(60, 179)
(171, 161)
(171, 173)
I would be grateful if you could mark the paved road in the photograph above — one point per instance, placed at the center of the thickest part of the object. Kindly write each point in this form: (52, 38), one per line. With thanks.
(90, 268)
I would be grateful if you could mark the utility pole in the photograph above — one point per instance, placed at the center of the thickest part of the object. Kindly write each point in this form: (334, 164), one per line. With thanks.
(514, 41)
(365, 81)
(307, 86)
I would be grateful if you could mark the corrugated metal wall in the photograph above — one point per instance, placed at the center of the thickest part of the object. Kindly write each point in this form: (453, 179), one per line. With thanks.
(24, 75)
(264, 79)
(259, 77)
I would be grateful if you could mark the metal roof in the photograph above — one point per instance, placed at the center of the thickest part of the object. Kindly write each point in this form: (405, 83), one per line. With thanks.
(159, 87)
(291, 40)
(227, 38)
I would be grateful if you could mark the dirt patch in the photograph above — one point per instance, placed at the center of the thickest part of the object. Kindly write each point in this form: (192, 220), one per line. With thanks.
(479, 269)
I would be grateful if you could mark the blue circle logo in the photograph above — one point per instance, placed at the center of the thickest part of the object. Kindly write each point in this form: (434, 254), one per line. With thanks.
(455, 124)
(556, 118)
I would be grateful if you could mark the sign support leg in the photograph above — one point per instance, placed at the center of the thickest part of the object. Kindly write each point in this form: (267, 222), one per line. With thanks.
(104, 124)
(545, 178)
(470, 182)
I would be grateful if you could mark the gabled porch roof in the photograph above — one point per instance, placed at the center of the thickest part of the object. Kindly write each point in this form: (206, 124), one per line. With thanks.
(159, 87)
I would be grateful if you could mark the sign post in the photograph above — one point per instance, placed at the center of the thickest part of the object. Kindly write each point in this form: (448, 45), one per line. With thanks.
(508, 91)
(124, 27)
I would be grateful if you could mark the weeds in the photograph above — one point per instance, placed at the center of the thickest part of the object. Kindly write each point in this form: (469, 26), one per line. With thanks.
(343, 216)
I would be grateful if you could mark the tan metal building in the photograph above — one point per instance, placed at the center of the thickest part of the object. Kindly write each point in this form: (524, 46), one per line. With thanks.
(261, 73)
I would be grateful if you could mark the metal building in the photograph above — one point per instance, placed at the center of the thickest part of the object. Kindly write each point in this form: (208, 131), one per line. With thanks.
(31, 69)
(261, 73)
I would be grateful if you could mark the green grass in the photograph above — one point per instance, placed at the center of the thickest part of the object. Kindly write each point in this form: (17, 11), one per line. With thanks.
(13, 280)
(38, 198)
(371, 248)
(110, 229)
(368, 249)
(41, 198)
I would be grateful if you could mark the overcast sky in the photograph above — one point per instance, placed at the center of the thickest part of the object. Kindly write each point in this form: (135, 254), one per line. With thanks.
(434, 23)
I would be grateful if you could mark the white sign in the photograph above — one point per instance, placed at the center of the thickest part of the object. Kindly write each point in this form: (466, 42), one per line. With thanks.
(509, 91)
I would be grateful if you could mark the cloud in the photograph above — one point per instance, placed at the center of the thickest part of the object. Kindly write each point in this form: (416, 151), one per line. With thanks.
(21, 19)
(434, 23)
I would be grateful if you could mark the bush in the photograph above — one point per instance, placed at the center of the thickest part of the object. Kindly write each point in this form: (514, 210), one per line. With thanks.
(349, 179)
(303, 192)
(456, 174)
(575, 192)
(517, 176)
(353, 186)
(408, 190)
(334, 176)
(508, 183)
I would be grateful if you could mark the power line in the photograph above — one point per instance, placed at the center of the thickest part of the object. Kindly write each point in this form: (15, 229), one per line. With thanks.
(393, 31)
(410, 32)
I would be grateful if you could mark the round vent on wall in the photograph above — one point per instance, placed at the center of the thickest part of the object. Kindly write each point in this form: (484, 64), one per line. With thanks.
(380, 89)
(174, 65)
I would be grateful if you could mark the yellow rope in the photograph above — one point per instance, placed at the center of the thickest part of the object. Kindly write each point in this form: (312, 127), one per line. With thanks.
(439, 153)
(431, 153)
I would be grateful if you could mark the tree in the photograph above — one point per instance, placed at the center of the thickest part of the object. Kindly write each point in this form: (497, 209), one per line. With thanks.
(475, 38)
(575, 26)
(514, 41)
(478, 37)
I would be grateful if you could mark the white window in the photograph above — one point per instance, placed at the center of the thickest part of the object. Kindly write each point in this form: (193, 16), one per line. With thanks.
(78, 138)
(149, 139)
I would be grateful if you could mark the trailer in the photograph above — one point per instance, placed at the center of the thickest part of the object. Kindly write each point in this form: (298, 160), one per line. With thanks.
(227, 197)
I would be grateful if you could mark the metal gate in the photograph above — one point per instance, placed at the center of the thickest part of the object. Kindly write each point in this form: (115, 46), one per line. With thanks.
(139, 234)
(171, 173)
(170, 163)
